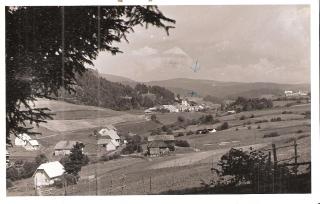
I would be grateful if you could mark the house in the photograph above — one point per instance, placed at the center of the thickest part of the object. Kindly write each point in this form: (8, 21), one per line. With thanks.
(47, 173)
(160, 144)
(64, 147)
(21, 139)
(150, 110)
(158, 148)
(110, 132)
(108, 144)
(231, 112)
(32, 145)
(171, 108)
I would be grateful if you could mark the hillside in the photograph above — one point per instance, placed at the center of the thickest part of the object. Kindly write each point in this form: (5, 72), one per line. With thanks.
(226, 89)
(94, 90)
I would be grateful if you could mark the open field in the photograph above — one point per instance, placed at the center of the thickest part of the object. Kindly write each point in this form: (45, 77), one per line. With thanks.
(183, 169)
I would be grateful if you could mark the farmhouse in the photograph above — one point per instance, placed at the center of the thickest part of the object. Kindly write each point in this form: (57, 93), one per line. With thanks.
(171, 108)
(108, 144)
(21, 139)
(160, 144)
(158, 148)
(110, 132)
(64, 147)
(47, 173)
(32, 145)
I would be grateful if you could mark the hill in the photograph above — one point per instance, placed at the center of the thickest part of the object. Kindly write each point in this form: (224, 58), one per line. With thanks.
(224, 90)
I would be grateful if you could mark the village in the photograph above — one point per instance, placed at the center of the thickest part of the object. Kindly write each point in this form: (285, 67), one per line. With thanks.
(185, 134)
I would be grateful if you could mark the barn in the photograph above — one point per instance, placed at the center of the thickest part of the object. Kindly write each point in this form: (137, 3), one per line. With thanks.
(47, 173)
(64, 147)
(158, 148)
(32, 145)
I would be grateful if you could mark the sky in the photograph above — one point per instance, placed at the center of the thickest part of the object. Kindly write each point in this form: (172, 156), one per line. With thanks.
(231, 43)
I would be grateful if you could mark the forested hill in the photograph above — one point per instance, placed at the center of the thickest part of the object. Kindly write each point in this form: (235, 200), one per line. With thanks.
(97, 91)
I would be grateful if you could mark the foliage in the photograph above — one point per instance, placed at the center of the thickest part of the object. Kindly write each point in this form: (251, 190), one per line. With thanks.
(133, 145)
(46, 47)
(110, 157)
(276, 119)
(224, 126)
(73, 163)
(190, 132)
(272, 134)
(242, 117)
(182, 143)
(41, 158)
(207, 119)
(180, 134)
(154, 118)
(9, 183)
(181, 119)
(212, 99)
(244, 104)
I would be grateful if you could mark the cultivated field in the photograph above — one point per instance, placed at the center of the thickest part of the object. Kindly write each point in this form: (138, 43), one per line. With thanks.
(183, 169)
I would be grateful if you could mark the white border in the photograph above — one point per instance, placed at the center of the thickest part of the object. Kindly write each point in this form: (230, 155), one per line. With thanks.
(314, 197)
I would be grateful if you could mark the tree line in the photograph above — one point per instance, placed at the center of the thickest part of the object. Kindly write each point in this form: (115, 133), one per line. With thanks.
(94, 90)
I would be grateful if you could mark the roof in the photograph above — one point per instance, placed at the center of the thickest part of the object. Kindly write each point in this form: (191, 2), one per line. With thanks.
(115, 143)
(24, 137)
(109, 132)
(65, 145)
(34, 142)
(157, 144)
(52, 169)
(161, 137)
(103, 141)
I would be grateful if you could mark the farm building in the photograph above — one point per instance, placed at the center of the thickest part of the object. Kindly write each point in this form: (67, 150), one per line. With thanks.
(110, 132)
(160, 144)
(108, 144)
(158, 148)
(47, 173)
(21, 139)
(171, 108)
(64, 147)
(32, 145)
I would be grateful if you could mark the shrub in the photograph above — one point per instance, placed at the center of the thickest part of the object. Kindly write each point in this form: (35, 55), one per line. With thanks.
(181, 119)
(41, 158)
(242, 117)
(258, 127)
(58, 183)
(224, 126)
(154, 118)
(286, 112)
(182, 143)
(261, 121)
(9, 183)
(275, 119)
(252, 116)
(12, 173)
(299, 131)
(249, 127)
(189, 132)
(180, 134)
(111, 157)
(272, 134)
(70, 179)
(237, 129)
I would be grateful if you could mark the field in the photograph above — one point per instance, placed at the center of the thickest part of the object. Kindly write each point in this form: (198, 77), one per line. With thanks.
(183, 169)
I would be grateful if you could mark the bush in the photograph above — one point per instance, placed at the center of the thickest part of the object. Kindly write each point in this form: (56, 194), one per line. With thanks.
(58, 183)
(287, 112)
(190, 133)
(258, 127)
(252, 116)
(272, 134)
(12, 173)
(182, 143)
(242, 117)
(181, 119)
(299, 131)
(275, 119)
(180, 134)
(261, 121)
(249, 127)
(237, 129)
(70, 179)
(224, 126)
(153, 118)
(41, 158)
(111, 157)
(9, 183)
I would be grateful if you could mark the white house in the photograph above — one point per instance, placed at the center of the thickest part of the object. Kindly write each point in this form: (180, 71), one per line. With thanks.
(32, 145)
(171, 108)
(47, 173)
(21, 139)
(110, 132)
(108, 144)
(64, 147)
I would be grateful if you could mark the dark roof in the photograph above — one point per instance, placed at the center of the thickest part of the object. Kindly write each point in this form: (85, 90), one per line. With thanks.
(157, 144)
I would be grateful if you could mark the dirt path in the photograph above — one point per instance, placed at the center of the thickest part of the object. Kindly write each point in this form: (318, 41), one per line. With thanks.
(191, 158)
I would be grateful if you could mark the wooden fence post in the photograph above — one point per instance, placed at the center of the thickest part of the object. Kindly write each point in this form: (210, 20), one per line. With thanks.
(150, 186)
(275, 165)
(295, 157)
